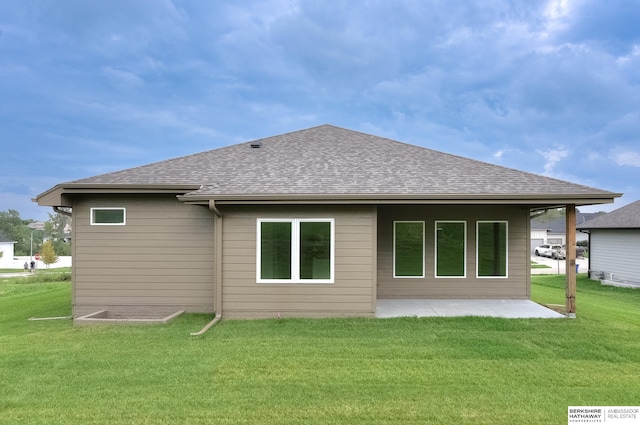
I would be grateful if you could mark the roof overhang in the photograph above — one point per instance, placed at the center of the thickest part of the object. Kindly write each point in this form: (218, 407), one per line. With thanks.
(58, 196)
(61, 194)
(544, 201)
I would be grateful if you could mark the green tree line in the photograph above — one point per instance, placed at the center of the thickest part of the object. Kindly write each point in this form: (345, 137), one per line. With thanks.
(17, 229)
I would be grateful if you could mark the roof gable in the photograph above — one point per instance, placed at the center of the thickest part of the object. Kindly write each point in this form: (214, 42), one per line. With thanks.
(627, 217)
(328, 160)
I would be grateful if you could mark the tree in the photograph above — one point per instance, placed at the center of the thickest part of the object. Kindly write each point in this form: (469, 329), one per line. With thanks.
(54, 231)
(48, 254)
(17, 229)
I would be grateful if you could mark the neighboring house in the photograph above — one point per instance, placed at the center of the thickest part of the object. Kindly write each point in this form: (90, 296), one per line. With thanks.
(6, 248)
(614, 251)
(555, 231)
(318, 222)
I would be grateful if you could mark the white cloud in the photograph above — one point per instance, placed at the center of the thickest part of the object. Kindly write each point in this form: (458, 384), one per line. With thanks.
(557, 16)
(594, 156)
(626, 158)
(123, 79)
(552, 157)
(507, 153)
(635, 52)
(557, 9)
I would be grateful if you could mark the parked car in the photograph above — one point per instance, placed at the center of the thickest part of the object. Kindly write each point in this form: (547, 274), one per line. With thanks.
(546, 250)
(559, 254)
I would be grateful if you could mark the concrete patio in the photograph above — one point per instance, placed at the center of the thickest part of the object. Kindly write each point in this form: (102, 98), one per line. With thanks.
(513, 309)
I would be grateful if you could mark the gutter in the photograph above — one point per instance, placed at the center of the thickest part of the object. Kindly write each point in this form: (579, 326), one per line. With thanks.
(217, 291)
(537, 201)
(537, 213)
(61, 211)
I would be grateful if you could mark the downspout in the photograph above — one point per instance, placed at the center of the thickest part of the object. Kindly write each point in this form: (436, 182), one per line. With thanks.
(61, 211)
(217, 289)
(588, 232)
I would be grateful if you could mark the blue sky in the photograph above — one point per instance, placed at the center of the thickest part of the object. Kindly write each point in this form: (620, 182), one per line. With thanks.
(550, 87)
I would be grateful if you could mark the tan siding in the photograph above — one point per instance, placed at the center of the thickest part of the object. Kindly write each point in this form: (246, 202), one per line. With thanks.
(147, 283)
(162, 257)
(515, 286)
(350, 295)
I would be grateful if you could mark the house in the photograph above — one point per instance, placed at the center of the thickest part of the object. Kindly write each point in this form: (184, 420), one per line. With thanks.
(6, 251)
(614, 244)
(554, 231)
(314, 223)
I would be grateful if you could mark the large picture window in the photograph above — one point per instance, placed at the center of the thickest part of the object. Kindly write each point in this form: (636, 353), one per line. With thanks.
(451, 249)
(408, 249)
(492, 248)
(108, 216)
(295, 251)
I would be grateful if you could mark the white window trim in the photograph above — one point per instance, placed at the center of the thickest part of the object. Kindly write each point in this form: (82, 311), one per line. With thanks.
(124, 216)
(435, 249)
(506, 276)
(423, 250)
(295, 250)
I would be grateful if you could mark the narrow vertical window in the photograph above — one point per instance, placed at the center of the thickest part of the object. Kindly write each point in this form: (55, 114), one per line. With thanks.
(492, 249)
(451, 249)
(408, 249)
(315, 250)
(275, 250)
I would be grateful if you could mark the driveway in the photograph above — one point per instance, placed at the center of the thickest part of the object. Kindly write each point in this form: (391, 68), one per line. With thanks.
(558, 266)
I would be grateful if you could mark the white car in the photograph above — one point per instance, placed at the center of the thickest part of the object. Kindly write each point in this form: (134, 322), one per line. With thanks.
(559, 254)
(546, 250)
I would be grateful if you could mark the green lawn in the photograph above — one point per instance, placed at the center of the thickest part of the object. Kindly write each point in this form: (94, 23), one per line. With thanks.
(40, 270)
(535, 265)
(338, 371)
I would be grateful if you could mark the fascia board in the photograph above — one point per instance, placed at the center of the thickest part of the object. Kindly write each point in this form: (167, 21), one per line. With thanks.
(55, 195)
(537, 200)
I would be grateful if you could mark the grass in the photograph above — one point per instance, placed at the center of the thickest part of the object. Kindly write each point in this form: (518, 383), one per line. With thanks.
(535, 265)
(40, 270)
(346, 371)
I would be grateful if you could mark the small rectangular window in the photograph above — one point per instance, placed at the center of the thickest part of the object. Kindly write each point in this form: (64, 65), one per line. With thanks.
(451, 248)
(108, 216)
(295, 251)
(492, 248)
(408, 249)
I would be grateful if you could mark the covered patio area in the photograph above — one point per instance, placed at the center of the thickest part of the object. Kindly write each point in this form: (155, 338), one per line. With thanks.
(512, 309)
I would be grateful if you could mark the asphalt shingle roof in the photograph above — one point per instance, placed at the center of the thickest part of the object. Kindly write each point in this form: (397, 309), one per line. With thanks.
(558, 225)
(332, 160)
(627, 217)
